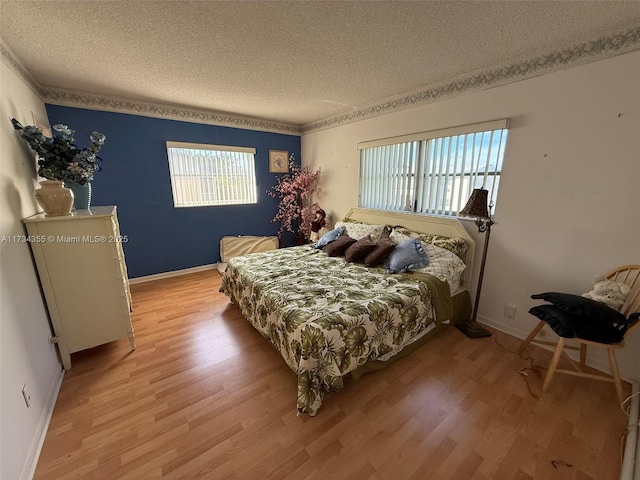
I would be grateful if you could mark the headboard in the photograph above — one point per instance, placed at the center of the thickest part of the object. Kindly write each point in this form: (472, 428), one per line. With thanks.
(419, 222)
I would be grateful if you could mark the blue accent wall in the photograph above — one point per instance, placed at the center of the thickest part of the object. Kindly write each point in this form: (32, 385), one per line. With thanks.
(135, 177)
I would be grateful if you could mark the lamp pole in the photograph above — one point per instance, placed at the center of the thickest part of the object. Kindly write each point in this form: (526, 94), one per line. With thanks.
(477, 208)
(483, 226)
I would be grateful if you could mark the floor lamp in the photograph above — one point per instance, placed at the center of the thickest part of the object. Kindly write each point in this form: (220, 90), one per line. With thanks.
(477, 208)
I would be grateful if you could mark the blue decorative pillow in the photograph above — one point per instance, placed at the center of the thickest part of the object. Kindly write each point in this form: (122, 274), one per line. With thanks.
(329, 237)
(406, 256)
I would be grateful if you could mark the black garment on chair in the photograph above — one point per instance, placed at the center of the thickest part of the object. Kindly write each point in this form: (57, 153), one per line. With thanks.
(575, 316)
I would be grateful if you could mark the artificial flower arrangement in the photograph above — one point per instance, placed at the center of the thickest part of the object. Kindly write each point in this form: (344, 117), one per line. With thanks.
(59, 158)
(293, 190)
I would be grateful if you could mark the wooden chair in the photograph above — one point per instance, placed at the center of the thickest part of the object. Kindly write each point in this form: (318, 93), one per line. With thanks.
(629, 274)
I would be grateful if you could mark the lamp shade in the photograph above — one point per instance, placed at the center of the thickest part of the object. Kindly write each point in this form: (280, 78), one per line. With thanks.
(476, 207)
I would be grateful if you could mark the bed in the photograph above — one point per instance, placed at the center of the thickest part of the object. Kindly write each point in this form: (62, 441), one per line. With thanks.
(329, 317)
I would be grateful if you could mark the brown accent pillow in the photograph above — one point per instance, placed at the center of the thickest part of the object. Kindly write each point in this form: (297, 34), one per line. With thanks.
(380, 253)
(338, 246)
(359, 250)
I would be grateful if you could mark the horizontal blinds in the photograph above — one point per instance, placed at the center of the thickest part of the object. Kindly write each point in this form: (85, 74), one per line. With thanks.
(208, 176)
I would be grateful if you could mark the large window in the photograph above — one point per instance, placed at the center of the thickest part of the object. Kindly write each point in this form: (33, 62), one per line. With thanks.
(211, 174)
(432, 172)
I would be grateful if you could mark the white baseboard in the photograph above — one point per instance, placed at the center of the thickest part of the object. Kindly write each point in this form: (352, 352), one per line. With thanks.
(598, 364)
(31, 462)
(175, 273)
(508, 329)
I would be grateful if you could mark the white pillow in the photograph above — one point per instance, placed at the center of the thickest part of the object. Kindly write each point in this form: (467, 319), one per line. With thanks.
(444, 265)
(361, 230)
(399, 237)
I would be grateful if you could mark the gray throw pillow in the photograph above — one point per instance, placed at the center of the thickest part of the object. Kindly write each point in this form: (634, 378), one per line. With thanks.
(406, 256)
(329, 237)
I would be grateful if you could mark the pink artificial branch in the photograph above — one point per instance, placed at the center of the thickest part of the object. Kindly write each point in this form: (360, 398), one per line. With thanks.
(292, 189)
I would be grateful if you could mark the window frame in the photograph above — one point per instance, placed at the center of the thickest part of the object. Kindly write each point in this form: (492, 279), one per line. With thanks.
(192, 194)
(409, 158)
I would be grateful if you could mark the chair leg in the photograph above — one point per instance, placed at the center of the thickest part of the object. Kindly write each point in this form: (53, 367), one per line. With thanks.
(583, 354)
(615, 373)
(554, 364)
(531, 336)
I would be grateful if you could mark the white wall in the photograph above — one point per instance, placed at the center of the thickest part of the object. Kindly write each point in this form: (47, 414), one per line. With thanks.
(26, 356)
(569, 202)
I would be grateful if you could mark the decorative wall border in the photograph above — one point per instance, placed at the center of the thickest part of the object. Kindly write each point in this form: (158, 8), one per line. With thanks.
(587, 52)
(74, 98)
(13, 62)
(123, 105)
(600, 48)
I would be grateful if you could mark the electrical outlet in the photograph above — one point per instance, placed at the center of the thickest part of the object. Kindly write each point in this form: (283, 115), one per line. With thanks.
(27, 395)
(510, 310)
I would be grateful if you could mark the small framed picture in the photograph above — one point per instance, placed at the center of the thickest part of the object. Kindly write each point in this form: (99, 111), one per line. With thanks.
(278, 161)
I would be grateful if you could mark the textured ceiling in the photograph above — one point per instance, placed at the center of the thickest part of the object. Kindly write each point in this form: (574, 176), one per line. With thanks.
(290, 62)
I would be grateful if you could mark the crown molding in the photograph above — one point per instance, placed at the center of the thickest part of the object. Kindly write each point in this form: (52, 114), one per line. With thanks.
(74, 98)
(603, 47)
(599, 49)
(12, 61)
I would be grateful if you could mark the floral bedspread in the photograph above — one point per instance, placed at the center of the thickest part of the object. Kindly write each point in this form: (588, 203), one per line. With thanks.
(325, 316)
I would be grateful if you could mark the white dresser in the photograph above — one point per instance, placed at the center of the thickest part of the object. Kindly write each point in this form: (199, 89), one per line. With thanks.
(83, 275)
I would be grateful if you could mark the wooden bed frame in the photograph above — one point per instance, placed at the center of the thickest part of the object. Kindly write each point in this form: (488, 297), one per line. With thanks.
(419, 222)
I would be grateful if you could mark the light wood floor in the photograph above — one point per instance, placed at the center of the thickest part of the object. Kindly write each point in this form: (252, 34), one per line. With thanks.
(205, 396)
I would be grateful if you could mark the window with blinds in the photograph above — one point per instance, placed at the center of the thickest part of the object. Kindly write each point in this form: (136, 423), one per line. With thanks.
(203, 175)
(432, 172)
